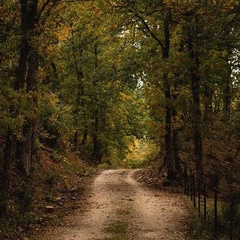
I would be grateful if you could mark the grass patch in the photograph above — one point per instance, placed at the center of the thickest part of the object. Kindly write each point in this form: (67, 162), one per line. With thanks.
(117, 229)
(113, 238)
(123, 212)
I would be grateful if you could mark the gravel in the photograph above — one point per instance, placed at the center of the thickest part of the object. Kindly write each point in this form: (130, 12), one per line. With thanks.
(120, 208)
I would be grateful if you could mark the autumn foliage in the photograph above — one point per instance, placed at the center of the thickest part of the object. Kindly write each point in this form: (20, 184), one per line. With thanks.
(103, 79)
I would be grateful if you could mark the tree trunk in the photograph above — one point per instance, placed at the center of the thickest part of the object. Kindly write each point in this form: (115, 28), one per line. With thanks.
(195, 79)
(6, 177)
(80, 102)
(25, 80)
(177, 159)
(227, 96)
(175, 133)
(84, 138)
(96, 144)
(25, 147)
(208, 106)
(168, 131)
(19, 83)
(75, 140)
(165, 46)
(167, 92)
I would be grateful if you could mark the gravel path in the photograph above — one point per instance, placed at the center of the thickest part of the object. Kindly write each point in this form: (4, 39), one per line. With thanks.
(120, 208)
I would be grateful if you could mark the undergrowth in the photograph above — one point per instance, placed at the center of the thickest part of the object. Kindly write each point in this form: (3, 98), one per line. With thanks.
(52, 190)
(227, 221)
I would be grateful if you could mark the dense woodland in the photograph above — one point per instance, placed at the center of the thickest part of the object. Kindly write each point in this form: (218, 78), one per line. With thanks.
(111, 81)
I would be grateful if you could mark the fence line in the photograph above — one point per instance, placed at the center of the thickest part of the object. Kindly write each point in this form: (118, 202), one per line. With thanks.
(199, 193)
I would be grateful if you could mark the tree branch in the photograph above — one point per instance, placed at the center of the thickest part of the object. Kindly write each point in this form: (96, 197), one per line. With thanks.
(147, 27)
(43, 7)
(154, 36)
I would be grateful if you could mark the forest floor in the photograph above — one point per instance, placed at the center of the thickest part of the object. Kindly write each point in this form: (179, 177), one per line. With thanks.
(121, 208)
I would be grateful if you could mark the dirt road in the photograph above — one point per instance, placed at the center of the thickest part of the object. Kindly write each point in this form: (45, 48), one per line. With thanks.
(120, 208)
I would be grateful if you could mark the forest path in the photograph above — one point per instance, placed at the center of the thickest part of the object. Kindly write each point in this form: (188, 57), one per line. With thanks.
(120, 208)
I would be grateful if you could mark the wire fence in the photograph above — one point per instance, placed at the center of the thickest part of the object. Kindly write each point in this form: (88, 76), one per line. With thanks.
(219, 210)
